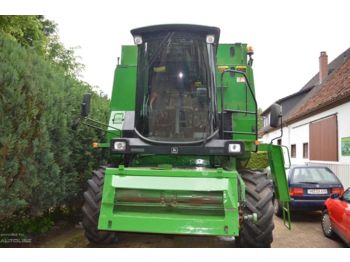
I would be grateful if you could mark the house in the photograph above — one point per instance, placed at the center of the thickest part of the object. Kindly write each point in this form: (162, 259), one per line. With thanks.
(316, 119)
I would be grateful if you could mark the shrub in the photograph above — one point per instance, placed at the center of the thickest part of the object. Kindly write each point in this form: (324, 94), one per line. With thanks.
(258, 160)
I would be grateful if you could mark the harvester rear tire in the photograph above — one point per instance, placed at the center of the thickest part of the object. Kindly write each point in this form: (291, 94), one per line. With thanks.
(259, 200)
(91, 210)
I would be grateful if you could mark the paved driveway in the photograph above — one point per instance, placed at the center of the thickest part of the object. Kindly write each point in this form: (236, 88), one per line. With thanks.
(306, 232)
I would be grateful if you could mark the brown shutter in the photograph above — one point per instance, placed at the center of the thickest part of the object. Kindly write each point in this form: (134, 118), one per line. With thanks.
(324, 139)
(293, 151)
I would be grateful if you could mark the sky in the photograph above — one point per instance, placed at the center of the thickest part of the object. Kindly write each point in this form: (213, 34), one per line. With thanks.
(287, 36)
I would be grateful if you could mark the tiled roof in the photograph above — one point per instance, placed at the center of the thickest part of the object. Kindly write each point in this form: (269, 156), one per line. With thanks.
(336, 88)
(338, 61)
(314, 81)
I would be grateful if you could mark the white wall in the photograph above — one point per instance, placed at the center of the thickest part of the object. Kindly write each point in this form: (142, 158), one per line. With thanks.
(285, 141)
(298, 133)
(276, 133)
(300, 130)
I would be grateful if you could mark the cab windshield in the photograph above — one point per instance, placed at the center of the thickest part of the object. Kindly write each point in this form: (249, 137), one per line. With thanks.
(175, 88)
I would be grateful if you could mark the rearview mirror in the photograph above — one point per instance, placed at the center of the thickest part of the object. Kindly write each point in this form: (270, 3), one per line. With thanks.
(85, 105)
(275, 115)
(335, 196)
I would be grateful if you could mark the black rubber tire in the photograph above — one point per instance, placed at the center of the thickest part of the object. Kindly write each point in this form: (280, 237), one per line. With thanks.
(91, 210)
(277, 208)
(259, 200)
(326, 225)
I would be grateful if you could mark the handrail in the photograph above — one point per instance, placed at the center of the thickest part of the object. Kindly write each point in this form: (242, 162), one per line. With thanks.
(290, 163)
(222, 100)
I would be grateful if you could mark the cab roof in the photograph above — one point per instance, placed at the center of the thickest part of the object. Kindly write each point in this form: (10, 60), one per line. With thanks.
(143, 31)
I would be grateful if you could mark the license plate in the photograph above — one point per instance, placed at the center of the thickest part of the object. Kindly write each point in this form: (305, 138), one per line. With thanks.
(317, 191)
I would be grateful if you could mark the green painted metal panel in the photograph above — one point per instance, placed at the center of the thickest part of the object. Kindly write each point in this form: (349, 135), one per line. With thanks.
(277, 167)
(176, 172)
(236, 93)
(129, 55)
(276, 162)
(278, 172)
(232, 54)
(124, 89)
(170, 222)
(124, 86)
(170, 183)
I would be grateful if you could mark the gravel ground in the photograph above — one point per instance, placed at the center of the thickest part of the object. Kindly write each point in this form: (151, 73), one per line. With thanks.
(306, 232)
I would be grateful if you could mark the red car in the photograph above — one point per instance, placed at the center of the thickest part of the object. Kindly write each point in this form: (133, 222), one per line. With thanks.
(336, 216)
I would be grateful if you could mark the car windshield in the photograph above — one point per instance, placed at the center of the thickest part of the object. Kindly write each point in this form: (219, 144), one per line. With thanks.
(346, 196)
(315, 175)
(175, 88)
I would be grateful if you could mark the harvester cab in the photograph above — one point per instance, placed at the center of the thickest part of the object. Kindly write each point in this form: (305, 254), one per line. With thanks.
(183, 125)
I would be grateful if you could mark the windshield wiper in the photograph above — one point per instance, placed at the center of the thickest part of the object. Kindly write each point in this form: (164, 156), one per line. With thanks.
(307, 182)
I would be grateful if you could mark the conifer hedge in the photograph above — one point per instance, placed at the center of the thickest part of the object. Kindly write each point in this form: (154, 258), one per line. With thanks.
(43, 162)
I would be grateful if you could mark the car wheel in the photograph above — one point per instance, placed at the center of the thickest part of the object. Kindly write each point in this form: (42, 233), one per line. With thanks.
(327, 225)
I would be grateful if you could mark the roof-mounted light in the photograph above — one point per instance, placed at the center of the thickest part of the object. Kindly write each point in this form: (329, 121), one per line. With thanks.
(250, 50)
(138, 40)
(210, 39)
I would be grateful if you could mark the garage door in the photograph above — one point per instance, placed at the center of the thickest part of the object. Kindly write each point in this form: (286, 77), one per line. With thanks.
(324, 139)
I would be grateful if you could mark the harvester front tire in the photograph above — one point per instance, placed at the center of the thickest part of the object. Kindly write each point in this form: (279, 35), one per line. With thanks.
(91, 210)
(259, 200)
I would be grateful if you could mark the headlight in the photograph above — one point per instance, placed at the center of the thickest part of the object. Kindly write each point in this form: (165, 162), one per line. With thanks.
(119, 146)
(234, 148)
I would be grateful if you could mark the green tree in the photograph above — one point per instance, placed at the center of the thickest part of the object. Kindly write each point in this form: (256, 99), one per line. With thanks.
(41, 34)
(26, 30)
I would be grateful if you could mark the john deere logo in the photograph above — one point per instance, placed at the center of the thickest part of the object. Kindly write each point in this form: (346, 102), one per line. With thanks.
(174, 150)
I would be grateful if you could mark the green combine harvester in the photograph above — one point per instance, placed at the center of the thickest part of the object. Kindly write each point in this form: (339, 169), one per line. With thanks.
(182, 128)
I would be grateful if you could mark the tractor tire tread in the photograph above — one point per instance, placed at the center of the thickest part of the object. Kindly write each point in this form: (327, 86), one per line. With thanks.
(91, 210)
(259, 198)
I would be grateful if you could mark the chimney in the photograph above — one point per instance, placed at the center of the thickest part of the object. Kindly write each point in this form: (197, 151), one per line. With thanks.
(323, 66)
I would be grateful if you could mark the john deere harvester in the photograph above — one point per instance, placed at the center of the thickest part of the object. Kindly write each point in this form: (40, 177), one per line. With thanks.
(182, 128)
